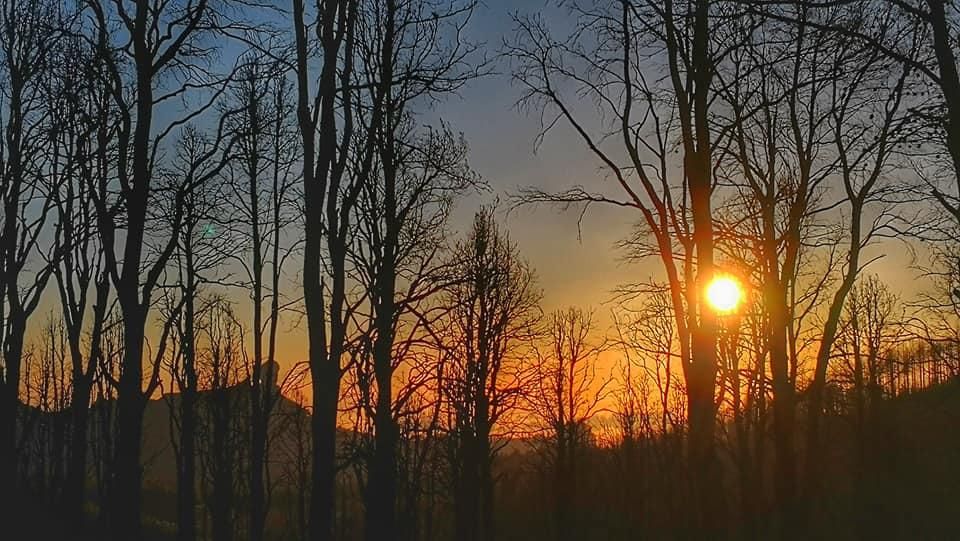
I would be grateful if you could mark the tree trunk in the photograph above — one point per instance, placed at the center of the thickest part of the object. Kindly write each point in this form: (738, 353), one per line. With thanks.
(323, 472)
(73, 491)
(324, 355)
(949, 81)
(466, 488)
(702, 457)
(10, 405)
(258, 421)
(702, 371)
(223, 464)
(563, 481)
(125, 512)
(127, 472)
(186, 480)
(382, 484)
(783, 411)
(16, 319)
(817, 388)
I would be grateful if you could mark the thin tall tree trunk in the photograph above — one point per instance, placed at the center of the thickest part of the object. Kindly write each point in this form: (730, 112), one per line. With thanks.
(258, 424)
(222, 503)
(702, 372)
(382, 485)
(186, 480)
(75, 484)
(817, 388)
(319, 187)
(83, 374)
(486, 523)
(16, 318)
(784, 409)
(126, 508)
(10, 406)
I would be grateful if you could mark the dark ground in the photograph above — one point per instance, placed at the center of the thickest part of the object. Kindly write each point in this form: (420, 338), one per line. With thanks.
(914, 490)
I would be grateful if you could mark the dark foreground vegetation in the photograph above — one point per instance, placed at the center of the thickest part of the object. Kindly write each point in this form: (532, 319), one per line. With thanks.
(626, 490)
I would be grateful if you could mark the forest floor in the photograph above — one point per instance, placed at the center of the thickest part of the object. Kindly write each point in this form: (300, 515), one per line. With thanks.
(916, 484)
(31, 521)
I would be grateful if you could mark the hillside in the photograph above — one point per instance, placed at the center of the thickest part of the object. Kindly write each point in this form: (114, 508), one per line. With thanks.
(913, 484)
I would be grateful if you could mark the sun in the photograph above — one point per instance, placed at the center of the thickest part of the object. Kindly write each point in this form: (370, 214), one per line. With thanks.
(724, 294)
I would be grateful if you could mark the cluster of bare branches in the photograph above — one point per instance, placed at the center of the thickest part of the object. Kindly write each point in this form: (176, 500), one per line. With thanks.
(191, 191)
(770, 141)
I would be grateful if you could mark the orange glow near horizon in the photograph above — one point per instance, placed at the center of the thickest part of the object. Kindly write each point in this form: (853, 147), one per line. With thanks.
(724, 294)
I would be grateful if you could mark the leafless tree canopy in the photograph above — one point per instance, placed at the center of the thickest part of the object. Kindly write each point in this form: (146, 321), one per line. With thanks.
(242, 295)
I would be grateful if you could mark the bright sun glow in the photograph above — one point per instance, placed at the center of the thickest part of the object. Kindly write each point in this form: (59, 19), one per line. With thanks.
(724, 294)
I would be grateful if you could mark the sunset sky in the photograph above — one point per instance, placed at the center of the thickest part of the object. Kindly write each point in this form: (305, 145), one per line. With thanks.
(574, 265)
(574, 268)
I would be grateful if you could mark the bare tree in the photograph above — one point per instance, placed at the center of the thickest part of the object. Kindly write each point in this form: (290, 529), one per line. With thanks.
(104, 418)
(921, 36)
(296, 452)
(808, 153)
(770, 100)
(651, 117)
(649, 407)
(494, 318)
(83, 117)
(26, 47)
(221, 370)
(865, 136)
(402, 220)
(141, 72)
(567, 395)
(328, 205)
(262, 192)
(197, 259)
(43, 434)
(870, 330)
(408, 51)
(647, 337)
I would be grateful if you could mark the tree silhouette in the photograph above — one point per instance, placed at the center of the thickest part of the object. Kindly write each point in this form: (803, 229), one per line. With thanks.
(495, 312)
